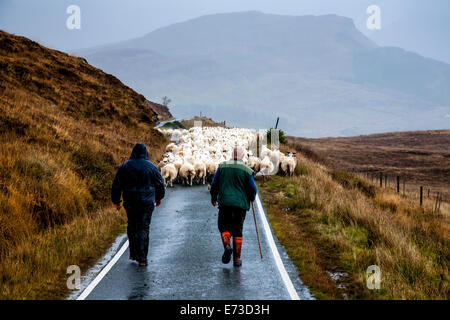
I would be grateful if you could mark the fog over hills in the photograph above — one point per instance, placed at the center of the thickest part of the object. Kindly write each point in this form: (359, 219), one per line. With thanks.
(319, 74)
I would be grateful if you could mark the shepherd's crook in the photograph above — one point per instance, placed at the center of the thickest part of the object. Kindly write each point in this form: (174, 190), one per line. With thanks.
(257, 232)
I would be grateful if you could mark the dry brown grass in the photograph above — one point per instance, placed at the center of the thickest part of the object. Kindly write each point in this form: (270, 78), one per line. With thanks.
(331, 221)
(418, 157)
(36, 268)
(62, 136)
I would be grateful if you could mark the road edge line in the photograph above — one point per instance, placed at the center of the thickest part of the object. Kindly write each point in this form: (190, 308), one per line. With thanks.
(103, 273)
(269, 236)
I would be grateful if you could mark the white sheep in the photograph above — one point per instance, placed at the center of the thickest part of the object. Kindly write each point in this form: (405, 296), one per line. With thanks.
(161, 164)
(169, 173)
(170, 147)
(200, 170)
(254, 163)
(266, 166)
(178, 162)
(288, 164)
(211, 167)
(187, 173)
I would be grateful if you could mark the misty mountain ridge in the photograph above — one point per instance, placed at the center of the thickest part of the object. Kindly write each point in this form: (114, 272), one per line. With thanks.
(319, 74)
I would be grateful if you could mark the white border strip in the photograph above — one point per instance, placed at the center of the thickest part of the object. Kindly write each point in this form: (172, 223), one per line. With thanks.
(103, 273)
(284, 275)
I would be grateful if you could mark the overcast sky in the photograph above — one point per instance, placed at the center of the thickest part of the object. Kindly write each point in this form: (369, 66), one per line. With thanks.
(416, 25)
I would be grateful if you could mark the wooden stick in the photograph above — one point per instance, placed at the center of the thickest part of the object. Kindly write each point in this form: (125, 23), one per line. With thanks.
(257, 232)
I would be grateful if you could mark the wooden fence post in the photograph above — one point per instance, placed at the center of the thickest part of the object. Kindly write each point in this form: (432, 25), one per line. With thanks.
(421, 195)
(381, 179)
(398, 184)
(437, 204)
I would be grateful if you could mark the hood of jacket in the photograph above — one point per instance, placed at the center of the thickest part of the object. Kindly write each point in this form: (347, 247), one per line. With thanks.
(139, 151)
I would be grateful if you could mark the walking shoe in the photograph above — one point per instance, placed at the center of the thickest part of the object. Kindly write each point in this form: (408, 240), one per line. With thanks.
(237, 264)
(226, 257)
(142, 263)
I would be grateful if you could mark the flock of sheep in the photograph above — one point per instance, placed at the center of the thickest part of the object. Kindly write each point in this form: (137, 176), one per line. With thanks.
(195, 154)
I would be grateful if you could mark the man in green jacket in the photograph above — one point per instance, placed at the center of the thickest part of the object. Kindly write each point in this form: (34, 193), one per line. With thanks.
(233, 187)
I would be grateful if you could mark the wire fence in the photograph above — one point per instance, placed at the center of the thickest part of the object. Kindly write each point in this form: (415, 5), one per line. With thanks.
(399, 184)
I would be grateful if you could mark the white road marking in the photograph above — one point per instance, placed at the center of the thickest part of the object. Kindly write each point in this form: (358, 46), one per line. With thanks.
(103, 273)
(276, 255)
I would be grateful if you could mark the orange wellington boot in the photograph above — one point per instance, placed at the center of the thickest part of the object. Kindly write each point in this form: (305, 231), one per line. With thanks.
(226, 240)
(237, 247)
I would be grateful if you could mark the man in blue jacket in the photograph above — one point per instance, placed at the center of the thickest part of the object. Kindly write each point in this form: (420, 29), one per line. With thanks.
(233, 187)
(139, 182)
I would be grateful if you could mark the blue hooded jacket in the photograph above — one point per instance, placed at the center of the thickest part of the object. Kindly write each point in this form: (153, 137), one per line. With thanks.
(139, 180)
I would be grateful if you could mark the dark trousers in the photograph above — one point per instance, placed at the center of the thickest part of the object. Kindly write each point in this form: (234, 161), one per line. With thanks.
(138, 232)
(231, 219)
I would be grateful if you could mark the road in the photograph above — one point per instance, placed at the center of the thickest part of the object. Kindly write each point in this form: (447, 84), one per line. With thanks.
(185, 259)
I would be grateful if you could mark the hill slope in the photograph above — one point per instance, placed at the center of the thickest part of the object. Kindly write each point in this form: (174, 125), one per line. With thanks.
(318, 73)
(420, 158)
(335, 224)
(64, 128)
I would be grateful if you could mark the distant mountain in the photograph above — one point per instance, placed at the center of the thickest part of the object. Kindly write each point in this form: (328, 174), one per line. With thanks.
(319, 74)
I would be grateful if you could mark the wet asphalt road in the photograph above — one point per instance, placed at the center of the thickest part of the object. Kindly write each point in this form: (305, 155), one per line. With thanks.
(185, 258)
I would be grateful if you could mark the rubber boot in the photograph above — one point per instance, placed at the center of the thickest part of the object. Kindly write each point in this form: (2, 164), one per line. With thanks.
(237, 247)
(226, 241)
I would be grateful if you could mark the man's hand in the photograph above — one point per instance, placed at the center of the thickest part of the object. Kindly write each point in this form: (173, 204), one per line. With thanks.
(157, 203)
(117, 206)
(214, 202)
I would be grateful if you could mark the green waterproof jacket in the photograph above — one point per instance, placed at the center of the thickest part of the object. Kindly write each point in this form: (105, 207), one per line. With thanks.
(233, 185)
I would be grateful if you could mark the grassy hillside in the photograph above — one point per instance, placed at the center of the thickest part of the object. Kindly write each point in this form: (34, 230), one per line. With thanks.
(65, 126)
(335, 224)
